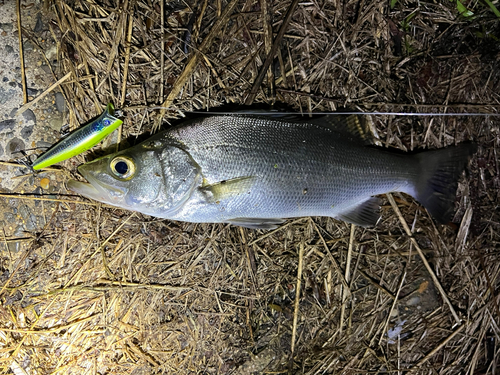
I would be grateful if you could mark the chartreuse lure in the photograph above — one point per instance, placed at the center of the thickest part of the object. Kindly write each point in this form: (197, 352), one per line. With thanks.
(80, 140)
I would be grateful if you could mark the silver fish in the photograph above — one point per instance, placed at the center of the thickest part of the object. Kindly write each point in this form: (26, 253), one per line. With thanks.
(256, 171)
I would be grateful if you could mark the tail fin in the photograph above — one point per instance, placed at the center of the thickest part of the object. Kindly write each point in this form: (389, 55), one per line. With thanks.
(438, 180)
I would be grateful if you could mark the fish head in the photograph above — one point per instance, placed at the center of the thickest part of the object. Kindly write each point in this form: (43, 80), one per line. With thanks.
(128, 180)
(152, 181)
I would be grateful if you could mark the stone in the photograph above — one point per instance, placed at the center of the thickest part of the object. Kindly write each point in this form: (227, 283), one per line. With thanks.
(51, 53)
(28, 46)
(39, 23)
(14, 146)
(31, 223)
(43, 145)
(6, 95)
(32, 91)
(7, 124)
(9, 49)
(7, 26)
(24, 211)
(60, 102)
(9, 217)
(26, 132)
(1, 150)
(56, 123)
(29, 115)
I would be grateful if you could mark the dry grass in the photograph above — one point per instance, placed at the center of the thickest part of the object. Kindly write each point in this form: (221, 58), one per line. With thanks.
(101, 290)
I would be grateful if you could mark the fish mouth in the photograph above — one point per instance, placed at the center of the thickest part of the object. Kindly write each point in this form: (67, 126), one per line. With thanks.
(95, 189)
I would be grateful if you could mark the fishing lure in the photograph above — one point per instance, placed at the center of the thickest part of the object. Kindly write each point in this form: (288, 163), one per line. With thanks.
(80, 140)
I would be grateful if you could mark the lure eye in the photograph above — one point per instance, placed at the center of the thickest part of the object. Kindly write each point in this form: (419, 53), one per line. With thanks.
(107, 122)
(122, 167)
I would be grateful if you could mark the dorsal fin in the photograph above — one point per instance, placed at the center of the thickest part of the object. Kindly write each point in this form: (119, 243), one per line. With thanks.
(356, 127)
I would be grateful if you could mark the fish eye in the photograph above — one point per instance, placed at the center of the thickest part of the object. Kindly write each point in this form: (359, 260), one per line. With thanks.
(122, 167)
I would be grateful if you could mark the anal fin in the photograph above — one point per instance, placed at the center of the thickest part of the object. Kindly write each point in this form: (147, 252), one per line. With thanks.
(256, 223)
(364, 214)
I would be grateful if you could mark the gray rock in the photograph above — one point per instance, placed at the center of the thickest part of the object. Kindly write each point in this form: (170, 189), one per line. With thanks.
(32, 91)
(39, 24)
(1, 150)
(60, 102)
(26, 132)
(14, 247)
(24, 211)
(6, 95)
(14, 84)
(28, 46)
(15, 145)
(43, 145)
(9, 49)
(29, 219)
(29, 115)
(7, 124)
(5, 79)
(7, 26)
(13, 112)
(46, 69)
(56, 123)
(9, 217)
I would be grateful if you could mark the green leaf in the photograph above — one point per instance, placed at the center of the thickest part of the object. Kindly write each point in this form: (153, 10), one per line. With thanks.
(463, 10)
(493, 8)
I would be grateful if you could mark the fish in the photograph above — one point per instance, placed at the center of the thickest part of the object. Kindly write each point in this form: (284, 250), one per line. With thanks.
(80, 140)
(256, 171)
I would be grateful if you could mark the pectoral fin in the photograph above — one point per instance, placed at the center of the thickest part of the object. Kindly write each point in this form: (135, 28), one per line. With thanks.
(228, 188)
(256, 223)
(365, 214)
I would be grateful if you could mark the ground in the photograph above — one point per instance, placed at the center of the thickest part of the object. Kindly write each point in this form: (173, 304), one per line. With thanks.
(87, 288)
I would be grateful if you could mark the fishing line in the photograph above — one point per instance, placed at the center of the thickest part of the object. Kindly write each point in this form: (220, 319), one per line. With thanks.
(338, 113)
(350, 113)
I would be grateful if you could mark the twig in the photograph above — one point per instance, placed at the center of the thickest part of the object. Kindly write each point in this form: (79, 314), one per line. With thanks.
(375, 284)
(424, 260)
(270, 55)
(117, 285)
(347, 276)
(332, 259)
(389, 315)
(193, 60)
(162, 53)
(297, 295)
(51, 200)
(21, 51)
(43, 94)
(48, 330)
(268, 41)
(276, 230)
(127, 57)
(437, 348)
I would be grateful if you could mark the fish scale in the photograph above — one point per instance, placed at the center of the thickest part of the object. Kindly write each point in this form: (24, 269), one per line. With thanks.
(255, 171)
